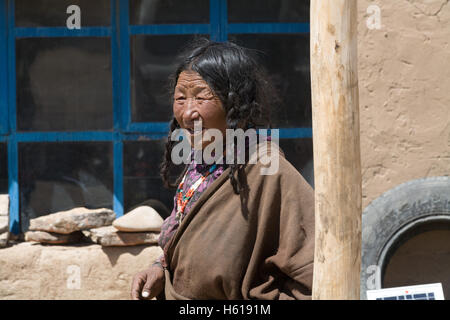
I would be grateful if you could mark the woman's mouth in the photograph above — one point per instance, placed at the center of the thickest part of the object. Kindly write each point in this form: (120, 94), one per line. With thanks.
(193, 132)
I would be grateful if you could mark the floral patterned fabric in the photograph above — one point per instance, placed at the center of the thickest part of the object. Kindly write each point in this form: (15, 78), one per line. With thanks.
(194, 172)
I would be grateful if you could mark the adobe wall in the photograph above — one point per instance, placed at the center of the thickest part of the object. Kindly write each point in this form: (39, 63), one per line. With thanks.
(76, 272)
(404, 83)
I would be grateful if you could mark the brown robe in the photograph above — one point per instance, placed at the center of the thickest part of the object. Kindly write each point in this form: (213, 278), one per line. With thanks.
(261, 250)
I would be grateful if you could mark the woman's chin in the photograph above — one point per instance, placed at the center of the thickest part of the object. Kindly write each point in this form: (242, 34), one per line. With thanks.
(197, 139)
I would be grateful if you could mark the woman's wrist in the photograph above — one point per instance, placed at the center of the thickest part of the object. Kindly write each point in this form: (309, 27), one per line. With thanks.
(159, 262)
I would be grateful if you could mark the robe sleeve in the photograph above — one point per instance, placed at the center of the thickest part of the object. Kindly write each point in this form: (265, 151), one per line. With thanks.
(282, 264)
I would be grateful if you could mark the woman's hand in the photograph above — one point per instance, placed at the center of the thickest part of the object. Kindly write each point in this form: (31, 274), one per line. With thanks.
(148, 284)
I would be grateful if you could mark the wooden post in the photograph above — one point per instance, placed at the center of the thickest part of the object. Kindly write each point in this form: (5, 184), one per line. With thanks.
(337, 164)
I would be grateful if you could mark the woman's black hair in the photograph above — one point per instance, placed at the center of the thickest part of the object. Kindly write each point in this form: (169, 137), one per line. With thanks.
(238, 80)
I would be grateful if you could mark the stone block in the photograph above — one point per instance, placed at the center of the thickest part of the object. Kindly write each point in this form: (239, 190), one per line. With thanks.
(76, 219)
(53, 238)
(143, 218)
(4, 204)
(110, 236)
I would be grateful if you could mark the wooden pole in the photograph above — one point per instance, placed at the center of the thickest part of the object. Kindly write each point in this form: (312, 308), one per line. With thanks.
(337, 164)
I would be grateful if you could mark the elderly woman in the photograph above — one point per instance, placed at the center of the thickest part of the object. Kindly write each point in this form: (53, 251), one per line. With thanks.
(234, 232)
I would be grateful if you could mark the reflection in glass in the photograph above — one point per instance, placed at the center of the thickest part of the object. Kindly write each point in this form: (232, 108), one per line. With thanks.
(3, 168)
(299, 152)
(53, 13)
(287, 59)
(168, 11)
(141, 174)
(63, 84)
(153, 59)
(63, 175)
(268, 11)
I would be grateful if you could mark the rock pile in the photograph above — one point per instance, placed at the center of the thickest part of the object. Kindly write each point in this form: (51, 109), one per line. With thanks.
(139, 226)
(65, 226)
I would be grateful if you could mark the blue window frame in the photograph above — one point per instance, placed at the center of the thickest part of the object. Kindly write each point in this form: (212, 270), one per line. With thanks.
(124, 129)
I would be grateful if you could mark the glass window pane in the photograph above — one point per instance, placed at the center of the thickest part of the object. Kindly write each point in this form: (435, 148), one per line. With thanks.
(141, 174)
(153, 59)
(3, 168)
(287, 59)
(62, 175)
(299, 152)
(64, 84)
(268, 11)
(168, 11)
(53, 13)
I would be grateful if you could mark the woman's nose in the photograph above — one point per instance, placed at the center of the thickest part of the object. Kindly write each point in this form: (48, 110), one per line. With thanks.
(191, 113)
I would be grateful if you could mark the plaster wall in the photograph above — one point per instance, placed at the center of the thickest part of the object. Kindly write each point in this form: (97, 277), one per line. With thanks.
(404, 83)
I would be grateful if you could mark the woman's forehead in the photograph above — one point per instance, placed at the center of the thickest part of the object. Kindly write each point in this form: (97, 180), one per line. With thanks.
(191, 79)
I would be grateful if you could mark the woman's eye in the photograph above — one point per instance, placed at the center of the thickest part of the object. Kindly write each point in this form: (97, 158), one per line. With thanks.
(203, 98)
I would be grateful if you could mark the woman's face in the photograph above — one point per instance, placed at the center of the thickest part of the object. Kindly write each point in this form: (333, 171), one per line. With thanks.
(195, 101)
